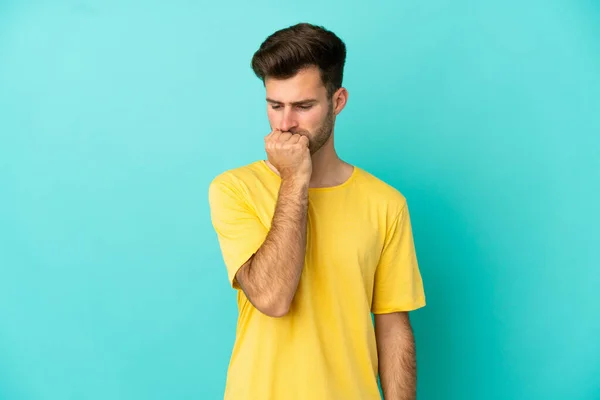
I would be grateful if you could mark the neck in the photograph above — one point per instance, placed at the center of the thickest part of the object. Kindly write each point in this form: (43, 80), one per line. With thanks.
(326, 165)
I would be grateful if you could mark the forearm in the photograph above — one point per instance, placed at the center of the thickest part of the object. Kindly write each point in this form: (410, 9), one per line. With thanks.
(397, 362)
(271, 279)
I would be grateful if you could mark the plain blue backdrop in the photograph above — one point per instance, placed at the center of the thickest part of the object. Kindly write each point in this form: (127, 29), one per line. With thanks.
(115, 116)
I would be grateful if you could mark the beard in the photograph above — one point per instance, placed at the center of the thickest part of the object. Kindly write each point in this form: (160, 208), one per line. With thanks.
(321, 135)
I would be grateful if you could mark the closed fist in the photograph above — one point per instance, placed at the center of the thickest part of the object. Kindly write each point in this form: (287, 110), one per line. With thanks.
(289, 153)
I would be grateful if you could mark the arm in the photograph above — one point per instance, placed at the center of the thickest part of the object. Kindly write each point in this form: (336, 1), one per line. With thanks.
(397, 356)
(270, 277)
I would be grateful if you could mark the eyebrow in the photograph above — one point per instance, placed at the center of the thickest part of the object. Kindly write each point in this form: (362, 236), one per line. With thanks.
(295, 103)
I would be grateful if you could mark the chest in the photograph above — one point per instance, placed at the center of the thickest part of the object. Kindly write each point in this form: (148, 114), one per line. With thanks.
(344, 242)
(345, 236)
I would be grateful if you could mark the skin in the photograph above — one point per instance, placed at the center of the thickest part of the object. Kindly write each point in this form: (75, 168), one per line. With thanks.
(300, 148)
(397, 356)
(287, 111)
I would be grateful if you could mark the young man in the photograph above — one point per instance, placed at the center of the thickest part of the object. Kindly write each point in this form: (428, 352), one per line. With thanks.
(314, 245)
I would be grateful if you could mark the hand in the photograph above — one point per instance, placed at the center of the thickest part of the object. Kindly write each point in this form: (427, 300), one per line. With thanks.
(289, 153)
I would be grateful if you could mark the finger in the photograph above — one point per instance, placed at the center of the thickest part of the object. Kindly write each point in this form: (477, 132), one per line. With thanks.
(270, 134)
(275, 135)
(295, 139)
(284, 137)
(304, 140)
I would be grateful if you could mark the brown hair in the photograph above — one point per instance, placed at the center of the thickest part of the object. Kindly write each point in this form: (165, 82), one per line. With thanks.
(291, 49)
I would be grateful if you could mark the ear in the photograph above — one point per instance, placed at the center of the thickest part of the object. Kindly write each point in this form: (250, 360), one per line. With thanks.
(340, 98)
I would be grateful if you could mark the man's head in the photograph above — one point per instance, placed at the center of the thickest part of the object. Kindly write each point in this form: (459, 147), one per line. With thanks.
(302, 68)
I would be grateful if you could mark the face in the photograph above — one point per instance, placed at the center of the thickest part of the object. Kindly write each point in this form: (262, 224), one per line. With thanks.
(300, 105)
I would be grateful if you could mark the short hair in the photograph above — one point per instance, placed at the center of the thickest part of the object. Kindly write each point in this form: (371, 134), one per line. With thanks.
(284, 53)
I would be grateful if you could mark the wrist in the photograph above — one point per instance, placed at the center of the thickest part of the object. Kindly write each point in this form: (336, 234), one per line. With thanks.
(297, 180)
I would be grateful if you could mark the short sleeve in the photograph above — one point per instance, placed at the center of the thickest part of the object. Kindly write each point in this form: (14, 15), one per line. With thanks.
(398, 283)
(239, 231)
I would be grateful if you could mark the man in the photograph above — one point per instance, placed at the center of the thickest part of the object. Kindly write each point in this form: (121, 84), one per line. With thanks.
(314, 245)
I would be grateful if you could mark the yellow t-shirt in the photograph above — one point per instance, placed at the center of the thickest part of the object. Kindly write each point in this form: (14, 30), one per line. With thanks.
(360, 258)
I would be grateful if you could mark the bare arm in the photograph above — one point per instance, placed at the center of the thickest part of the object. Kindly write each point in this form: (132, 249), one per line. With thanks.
(397, 356)
(270, 278)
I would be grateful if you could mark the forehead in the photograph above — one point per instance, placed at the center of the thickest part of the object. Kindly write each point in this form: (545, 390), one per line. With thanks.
(306, 83)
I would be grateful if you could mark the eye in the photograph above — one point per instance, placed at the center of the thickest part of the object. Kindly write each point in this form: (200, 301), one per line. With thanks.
(275, 106)
(308, 107)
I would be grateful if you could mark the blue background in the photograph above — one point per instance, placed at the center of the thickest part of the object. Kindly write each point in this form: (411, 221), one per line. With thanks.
(115, 116)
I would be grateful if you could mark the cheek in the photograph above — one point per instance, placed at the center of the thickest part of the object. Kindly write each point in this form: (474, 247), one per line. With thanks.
(313, 120)
(272, 116)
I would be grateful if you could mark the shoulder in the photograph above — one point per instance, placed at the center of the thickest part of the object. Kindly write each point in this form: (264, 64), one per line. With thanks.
(379, 189)
(239, 181)
(238, 175)
(380, 192)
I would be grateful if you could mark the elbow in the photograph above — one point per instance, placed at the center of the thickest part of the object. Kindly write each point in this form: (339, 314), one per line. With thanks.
(267, 298)
(275, 308)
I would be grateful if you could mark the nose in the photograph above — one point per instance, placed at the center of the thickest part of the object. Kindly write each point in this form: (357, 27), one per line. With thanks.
(288, 121)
